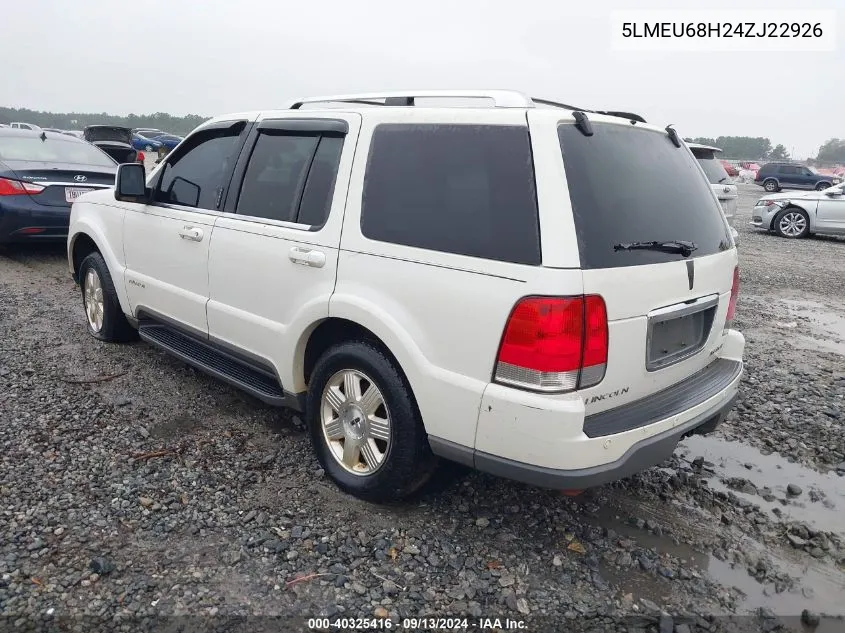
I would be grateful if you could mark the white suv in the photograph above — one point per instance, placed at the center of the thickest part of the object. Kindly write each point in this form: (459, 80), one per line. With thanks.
(511, 285)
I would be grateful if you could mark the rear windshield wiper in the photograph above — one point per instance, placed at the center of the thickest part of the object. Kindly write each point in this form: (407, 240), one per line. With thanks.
(673, 246)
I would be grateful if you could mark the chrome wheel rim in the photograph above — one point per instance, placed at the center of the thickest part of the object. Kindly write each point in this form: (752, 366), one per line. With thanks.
(93, 293)
(793, 224)
(356, 422)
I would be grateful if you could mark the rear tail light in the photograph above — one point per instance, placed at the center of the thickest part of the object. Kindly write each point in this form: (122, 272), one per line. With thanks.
(10, 187)
(140, 157)
(732, 303)
(554, 344)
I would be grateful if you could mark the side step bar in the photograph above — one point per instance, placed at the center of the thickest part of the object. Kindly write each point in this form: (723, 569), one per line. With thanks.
(258, 381)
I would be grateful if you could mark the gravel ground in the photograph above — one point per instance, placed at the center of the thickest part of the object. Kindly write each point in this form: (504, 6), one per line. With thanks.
(138, 494)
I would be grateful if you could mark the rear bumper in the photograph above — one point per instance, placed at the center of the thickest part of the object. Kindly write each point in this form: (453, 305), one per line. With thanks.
(556, 446)
(24, 221)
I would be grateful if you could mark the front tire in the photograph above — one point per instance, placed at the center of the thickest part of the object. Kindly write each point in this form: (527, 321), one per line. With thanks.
(364, 424)
(792, 223)
(103, 315)
(771, 186)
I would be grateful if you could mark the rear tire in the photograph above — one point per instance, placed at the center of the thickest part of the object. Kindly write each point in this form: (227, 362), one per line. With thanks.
(396, 443)
(792, 223)
(104, 316)
(771, 186)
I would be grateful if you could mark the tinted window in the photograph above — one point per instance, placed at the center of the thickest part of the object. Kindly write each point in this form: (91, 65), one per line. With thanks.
(194, 176)
(317, 196)
(714, 170)
(788, 170)
(630, 184)
(465, 189)
(55, 149)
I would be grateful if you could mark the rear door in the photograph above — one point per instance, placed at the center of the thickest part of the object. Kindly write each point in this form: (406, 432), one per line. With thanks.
(628, 185)
(788, 176)
(273, 259)
(166, 242)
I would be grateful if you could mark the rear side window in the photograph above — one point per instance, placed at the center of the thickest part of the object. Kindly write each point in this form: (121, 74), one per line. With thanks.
(464, 189)
(788, 170)
(630, 184)
(291, 177)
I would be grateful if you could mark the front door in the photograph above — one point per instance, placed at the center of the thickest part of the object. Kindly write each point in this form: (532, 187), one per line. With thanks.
(273, 259)
(830, 216)
(166, 242)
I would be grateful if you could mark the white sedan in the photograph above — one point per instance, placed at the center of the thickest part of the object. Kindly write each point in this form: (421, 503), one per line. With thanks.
(796, 214)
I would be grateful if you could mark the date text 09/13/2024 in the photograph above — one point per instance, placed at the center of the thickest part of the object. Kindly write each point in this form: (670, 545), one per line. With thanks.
(416, 624)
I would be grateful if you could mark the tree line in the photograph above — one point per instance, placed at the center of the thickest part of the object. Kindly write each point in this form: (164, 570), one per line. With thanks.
(760, 148)
(179, 125)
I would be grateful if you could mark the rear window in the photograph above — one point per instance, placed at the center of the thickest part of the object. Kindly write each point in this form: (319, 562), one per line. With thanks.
(54, 149)
(464, 189)
(712, 167)
(630, 184)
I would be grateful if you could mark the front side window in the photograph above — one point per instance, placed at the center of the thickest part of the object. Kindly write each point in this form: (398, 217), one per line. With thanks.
(463, 189)
(195, 176)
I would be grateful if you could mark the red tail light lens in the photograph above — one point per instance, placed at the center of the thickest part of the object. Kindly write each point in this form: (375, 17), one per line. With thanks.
(10, 187)
(554, 344)
(732, 302)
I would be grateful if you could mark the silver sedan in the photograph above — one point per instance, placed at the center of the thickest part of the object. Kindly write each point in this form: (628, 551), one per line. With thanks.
(796, 214)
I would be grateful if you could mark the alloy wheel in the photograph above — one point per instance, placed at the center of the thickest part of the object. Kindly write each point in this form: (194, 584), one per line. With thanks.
(93, 297)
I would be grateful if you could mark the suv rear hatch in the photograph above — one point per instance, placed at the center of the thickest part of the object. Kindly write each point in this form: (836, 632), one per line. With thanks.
(720, 181)
(653, 244)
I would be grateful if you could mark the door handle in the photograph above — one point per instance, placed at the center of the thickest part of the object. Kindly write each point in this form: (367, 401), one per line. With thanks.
(191, 233)
(307, 257)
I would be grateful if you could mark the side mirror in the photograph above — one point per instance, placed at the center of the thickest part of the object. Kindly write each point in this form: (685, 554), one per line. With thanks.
(130, 183)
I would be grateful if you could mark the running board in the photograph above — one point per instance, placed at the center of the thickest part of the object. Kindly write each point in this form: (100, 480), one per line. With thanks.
(256, 381)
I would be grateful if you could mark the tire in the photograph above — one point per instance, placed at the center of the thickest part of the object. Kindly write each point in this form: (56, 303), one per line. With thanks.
(792, 223)
(771, 185)
(105, 319)
(403, 462)
(822, 186)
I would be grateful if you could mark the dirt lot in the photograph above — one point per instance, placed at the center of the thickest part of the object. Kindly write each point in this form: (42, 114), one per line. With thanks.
(132, 486)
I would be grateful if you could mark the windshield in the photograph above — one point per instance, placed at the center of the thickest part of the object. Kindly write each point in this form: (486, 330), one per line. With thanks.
(631, 184)
(53, 150)
(714, 170)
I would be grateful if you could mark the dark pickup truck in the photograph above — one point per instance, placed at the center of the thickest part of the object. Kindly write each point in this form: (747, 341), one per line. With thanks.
(114, 140)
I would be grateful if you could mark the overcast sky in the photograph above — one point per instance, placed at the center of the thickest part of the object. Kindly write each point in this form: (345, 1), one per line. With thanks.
(211, 57)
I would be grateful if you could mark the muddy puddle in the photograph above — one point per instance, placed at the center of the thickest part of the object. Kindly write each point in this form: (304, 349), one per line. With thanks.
(821, 503)
(827, 328)
(819, 588)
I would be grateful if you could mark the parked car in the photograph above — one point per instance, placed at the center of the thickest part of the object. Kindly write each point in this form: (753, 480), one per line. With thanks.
(169, 141)
(730, 168)
(427, 282)
(149, 132)
(41, 174)
(776, 176)
(143, 143)
(796, 215)
(23, 126)
(718, 177)
(114, 140)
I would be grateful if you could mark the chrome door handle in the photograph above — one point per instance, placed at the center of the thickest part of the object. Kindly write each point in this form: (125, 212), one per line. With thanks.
(307, 257)
(190, 233)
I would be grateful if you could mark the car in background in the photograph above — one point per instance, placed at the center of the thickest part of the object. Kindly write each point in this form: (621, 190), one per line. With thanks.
(784, 175)
(718, 177)
(41, 175)
(23, 126)
(169, 141)
(74, 133)
(148, 132)
(141, 142)
(114, 140)
(732, 170)
(800, 214)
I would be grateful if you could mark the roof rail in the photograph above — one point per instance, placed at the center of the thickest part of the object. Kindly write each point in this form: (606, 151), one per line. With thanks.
(617, 113)
(500, 98)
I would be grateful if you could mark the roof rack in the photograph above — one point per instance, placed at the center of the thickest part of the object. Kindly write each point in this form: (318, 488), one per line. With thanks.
(500, 98)
(616, 113)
